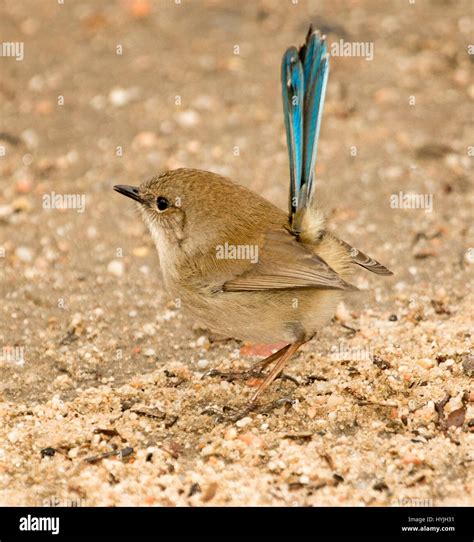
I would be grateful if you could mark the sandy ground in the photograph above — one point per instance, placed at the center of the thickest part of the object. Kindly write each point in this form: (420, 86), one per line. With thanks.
(101, 398)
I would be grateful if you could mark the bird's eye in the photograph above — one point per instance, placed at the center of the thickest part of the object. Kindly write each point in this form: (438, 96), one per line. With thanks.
(162, 203)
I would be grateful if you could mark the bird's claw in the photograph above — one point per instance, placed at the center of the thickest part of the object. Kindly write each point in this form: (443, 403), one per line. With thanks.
(232, 415)
(237, 414)
(231, 376)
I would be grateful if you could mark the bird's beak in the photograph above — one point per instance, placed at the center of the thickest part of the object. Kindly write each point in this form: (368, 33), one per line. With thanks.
(129, 191)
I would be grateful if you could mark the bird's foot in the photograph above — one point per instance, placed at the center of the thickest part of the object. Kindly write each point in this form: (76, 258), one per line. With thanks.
(230, 414)
(231, 376)
(287, 401)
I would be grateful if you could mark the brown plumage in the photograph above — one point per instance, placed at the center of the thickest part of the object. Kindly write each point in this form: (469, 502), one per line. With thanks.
(279, 286)
(240, 265)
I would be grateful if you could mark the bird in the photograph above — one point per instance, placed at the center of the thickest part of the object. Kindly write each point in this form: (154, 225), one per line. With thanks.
(240, 265)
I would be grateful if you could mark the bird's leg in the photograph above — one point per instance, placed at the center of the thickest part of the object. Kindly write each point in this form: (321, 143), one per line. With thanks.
(254, 371)
(283, 356)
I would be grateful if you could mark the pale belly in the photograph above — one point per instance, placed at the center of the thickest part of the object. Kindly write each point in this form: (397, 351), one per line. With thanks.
(264, 317)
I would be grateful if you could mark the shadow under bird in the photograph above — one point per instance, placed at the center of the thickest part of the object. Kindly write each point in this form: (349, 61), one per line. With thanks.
(240, 265)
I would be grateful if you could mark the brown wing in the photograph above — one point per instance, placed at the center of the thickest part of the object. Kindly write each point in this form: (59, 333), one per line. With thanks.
(365, 261)
(283, 263)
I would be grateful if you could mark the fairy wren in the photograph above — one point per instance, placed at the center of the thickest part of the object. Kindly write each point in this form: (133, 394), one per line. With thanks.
(241, 266)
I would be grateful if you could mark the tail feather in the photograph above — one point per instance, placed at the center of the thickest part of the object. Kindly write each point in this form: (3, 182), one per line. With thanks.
(304, 78)
(315, 91)
(293, 103)
(365, 261)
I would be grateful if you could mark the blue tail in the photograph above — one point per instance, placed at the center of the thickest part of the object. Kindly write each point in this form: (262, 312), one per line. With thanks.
(292, 78)
(304, 77)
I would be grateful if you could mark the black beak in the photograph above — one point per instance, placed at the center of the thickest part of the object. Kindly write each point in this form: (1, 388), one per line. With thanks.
(129, 191)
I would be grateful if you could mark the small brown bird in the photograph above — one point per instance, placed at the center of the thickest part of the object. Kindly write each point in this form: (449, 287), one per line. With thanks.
(240, 265)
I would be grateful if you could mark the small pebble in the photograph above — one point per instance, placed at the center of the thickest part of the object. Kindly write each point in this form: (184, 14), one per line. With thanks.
(426, 363)
(140, 252)
(251, 440)
(334, 401)
(13, 436)
(230, 434)
(30, 138)
(243, 422)
(24, 254)
(116, 268)
(202, 363)
(6, 211)
(411, 459)
(202, 341)
(91, 232)
(149, 329)
(367, 332)
(468, 365)
(44, 107)
(73, 453)
(24, 186)
(312, 410)
(188, 118)
(145, 140)
(120, 96)
(149, 352)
